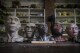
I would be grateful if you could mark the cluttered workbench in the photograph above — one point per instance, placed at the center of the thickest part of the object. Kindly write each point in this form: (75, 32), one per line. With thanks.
(58, 47)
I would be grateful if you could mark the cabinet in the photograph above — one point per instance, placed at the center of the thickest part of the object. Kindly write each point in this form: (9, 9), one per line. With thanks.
(29, 11)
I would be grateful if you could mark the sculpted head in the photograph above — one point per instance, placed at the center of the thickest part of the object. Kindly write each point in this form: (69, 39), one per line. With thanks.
(58, 27)
(30, 28)
(72, 30)
(13, 23)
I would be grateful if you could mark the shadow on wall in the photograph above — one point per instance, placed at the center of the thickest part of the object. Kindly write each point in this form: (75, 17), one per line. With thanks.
(51, 19)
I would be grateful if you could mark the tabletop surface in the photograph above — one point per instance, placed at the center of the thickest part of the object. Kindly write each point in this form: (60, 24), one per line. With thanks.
(41, 44)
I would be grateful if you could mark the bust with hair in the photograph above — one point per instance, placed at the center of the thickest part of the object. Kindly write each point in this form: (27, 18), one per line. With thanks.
(58, 32)
(72, 31)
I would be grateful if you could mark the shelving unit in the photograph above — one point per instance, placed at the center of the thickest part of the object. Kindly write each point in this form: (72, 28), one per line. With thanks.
(37, 15)
(29, 11)
(77, 16)
(28, 14)
(65, 14)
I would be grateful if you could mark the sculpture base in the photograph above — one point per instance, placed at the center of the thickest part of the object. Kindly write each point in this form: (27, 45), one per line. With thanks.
(43, 41)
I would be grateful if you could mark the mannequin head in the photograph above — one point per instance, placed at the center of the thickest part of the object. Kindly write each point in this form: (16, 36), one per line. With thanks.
(41, 32)
(45, 27)
(72, 30)
(57, 29)
(29, 29)
(41, 29)
(13, 23)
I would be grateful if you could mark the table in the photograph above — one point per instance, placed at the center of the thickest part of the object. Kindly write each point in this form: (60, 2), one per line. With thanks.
(59, 47)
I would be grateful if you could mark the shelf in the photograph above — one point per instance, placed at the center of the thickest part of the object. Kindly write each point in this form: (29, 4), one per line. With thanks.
(40, 23)
(65, 23)
(64, 16)
(22, 16)
(22, 9)
(28, 11)
(36, 16)
(77, 15)
(32, 9)
(23, 23)
(77, 9)
(65, 3)
(78, 23)
(36, 9)
(65, 9)
(35, 23)
(8, 8)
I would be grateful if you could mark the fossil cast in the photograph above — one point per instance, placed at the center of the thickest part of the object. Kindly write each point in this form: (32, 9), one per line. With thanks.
(12, 27)
(37, 32)
(29, 30)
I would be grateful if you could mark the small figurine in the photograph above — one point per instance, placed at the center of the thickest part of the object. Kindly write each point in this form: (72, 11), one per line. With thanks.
(12, 27)
(72, 30)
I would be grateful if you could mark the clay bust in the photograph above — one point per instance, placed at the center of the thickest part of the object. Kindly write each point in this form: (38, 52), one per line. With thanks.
(41, 33)
(29, 29)
(12, 26)
(72, 31)
(36, 32)
(58, 30)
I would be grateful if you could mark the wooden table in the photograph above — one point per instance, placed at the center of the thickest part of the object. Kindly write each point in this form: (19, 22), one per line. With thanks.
(59, 47)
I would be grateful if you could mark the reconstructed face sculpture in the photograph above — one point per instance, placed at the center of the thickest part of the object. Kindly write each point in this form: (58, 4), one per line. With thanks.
(13, 23)
(30, 28)
(58, 27)
(72, 30)
(45, 27)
